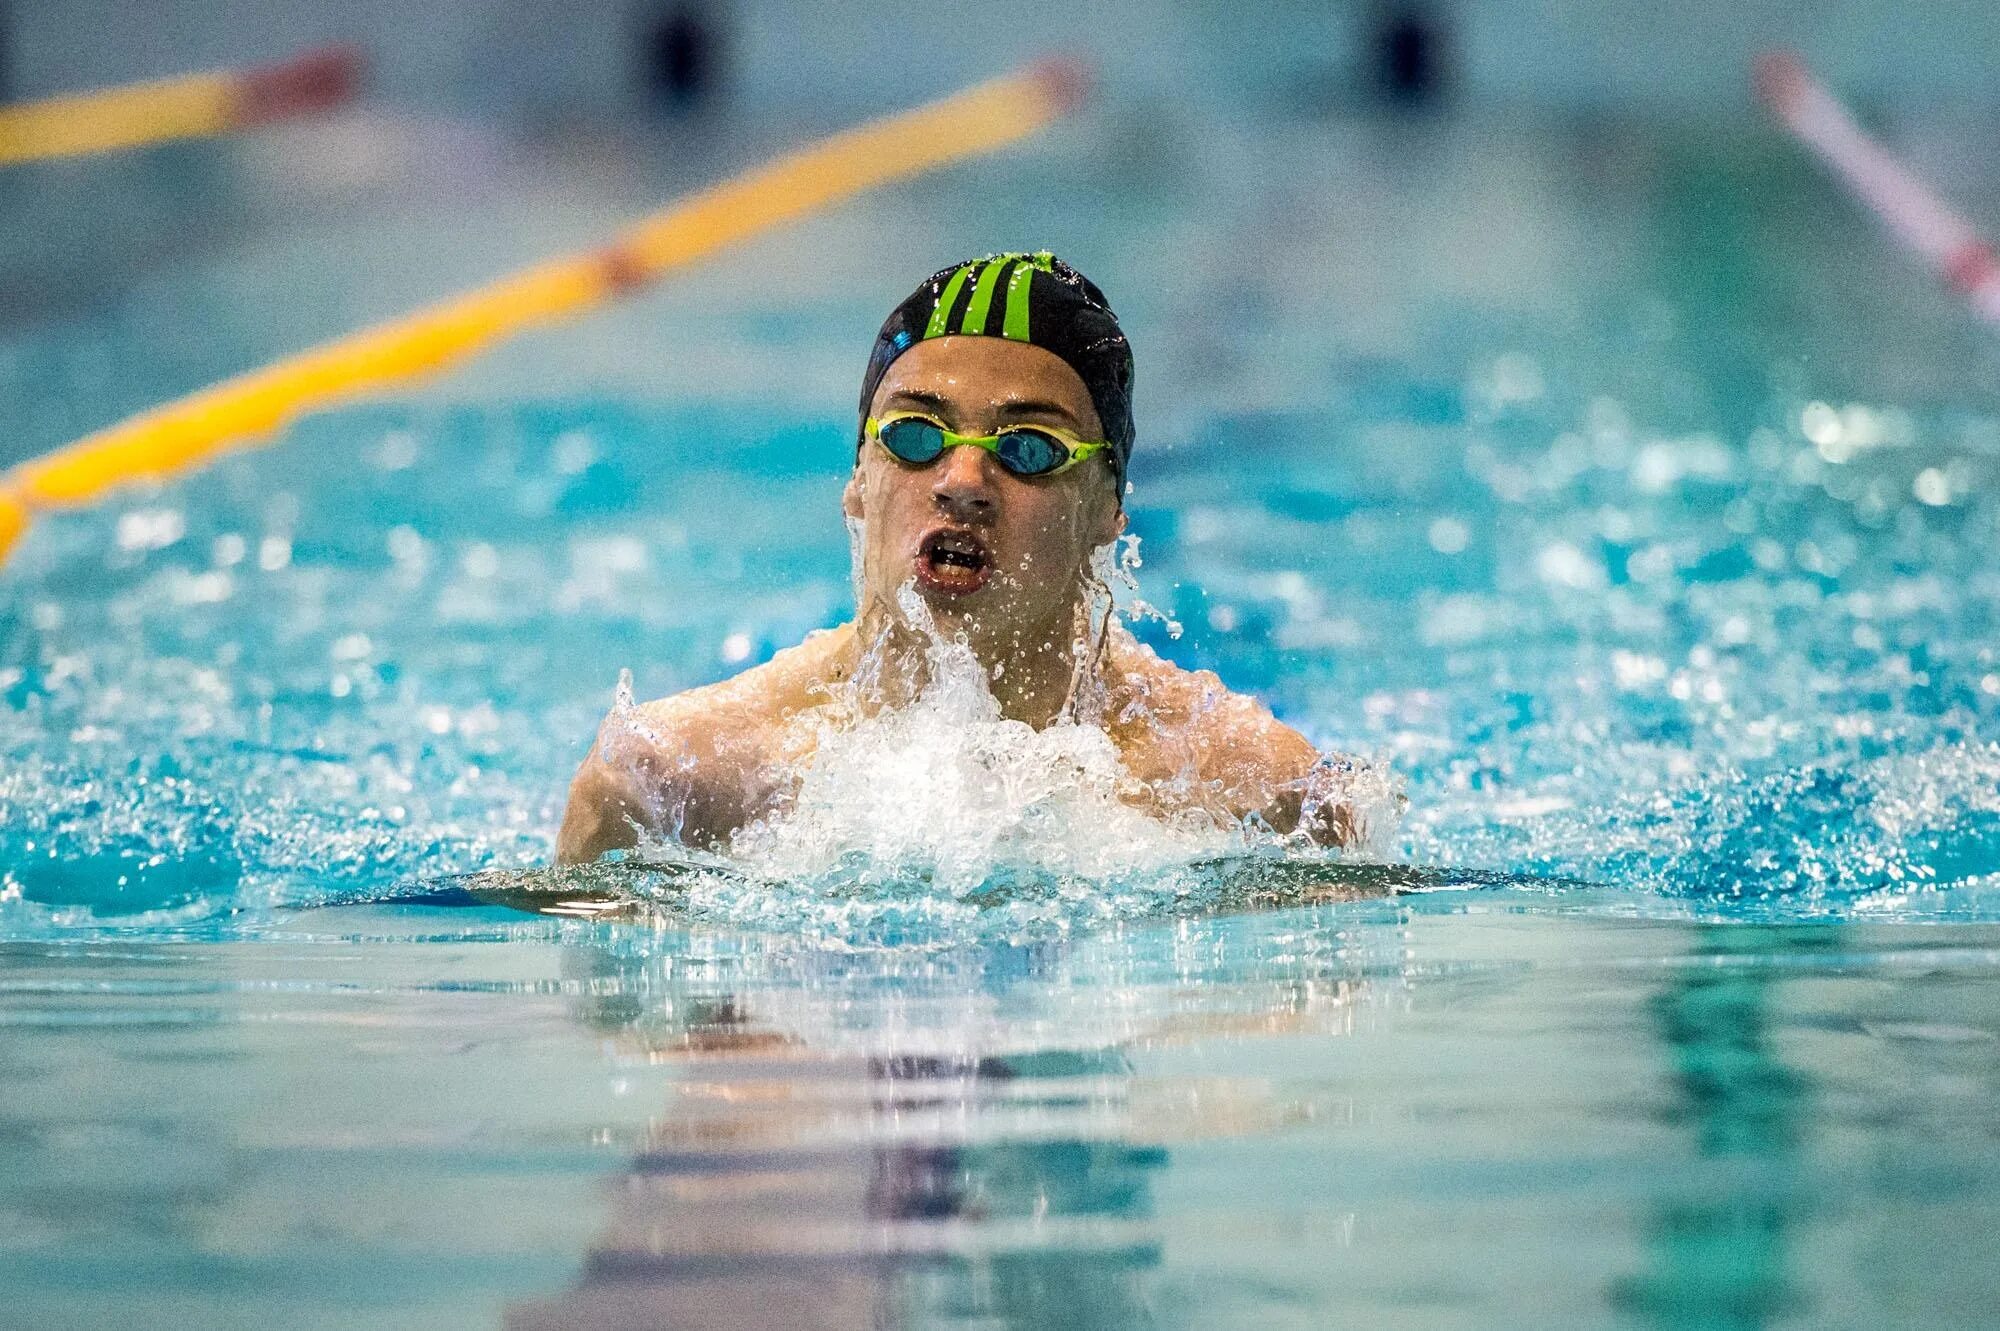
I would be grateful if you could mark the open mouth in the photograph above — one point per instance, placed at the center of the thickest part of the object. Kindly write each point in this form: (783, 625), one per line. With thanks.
(954, 562)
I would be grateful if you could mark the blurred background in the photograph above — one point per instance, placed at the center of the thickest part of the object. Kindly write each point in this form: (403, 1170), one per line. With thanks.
(537, 59)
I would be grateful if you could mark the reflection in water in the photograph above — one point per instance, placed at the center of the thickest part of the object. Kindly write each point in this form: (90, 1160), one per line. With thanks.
(1719, 1244)
(723, 1222)
(934, 1167)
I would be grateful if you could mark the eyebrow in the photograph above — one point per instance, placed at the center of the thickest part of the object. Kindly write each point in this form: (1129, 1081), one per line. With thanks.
(931, 401)
(1017, 408)
(1037, 407)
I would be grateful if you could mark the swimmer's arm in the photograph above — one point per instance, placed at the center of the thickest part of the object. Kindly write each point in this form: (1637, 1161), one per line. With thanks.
(1248, 763)
(666, 773)
(606, 811)
(1269, 771)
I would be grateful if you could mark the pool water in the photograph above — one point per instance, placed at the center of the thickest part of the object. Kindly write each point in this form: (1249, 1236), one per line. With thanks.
(1609, 482)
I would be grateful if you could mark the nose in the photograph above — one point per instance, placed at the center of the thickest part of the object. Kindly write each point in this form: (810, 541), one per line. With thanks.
(963, 487)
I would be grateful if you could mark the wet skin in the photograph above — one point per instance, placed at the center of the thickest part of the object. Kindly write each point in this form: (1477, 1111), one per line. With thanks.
(1003, 560)
(1033, 535)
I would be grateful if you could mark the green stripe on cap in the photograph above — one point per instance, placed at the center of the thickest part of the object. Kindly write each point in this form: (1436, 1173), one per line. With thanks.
(982, 296)
(1019, 287)
(941, 316)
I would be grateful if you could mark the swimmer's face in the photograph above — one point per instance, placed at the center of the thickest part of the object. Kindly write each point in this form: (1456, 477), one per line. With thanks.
(999, 555)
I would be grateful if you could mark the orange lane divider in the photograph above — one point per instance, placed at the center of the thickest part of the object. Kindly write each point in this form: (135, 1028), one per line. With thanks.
(247, 409)
(193, 106)
(1922, 221)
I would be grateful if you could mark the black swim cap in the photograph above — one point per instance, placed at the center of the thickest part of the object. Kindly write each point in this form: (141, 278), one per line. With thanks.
(1032, 298)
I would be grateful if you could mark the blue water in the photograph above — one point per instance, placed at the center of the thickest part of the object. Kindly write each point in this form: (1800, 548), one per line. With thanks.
(1612, 484)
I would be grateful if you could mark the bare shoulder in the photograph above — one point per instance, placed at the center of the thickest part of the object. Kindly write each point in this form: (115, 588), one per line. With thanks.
(698, 764)
(1230, 734)
(1198, 744)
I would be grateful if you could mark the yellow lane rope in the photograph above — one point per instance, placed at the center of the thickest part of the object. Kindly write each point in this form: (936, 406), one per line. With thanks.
(190, 107)
(242, 411)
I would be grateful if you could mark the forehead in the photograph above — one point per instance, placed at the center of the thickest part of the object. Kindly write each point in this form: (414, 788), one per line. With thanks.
(974, 372)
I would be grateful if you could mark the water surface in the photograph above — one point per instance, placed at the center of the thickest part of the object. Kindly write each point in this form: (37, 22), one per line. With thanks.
(1611, 484)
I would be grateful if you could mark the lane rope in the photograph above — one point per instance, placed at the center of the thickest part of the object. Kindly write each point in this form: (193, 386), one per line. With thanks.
(1910, 209)
(247, 410)
(192, 106)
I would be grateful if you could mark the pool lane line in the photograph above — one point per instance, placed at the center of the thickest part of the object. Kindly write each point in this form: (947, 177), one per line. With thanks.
(245, 410)
(13, 521)
(1911, 210)
(193, 106)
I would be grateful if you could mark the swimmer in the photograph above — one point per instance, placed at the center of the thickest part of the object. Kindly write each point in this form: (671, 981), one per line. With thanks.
(996, 425)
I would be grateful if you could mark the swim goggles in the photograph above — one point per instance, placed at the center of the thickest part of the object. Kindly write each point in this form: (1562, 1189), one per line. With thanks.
(1024, 450)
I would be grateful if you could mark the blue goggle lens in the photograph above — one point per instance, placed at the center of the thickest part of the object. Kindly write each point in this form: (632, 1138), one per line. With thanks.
(913, 440)
(1029, 452)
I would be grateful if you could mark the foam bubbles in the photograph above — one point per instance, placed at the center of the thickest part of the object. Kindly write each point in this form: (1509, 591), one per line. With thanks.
(948, 792)
(942, 812)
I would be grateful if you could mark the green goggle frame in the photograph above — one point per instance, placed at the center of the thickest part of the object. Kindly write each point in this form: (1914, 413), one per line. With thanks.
(1024, 450)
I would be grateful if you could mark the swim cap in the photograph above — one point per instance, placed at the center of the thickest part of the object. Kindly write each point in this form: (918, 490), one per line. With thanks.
(1032, 298)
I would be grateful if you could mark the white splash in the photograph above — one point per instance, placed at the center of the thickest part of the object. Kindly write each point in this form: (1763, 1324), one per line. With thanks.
(946, 789)
(1115, 568)
(948, 807)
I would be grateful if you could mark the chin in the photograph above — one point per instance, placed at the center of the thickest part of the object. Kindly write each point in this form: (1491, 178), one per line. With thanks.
(952, 612)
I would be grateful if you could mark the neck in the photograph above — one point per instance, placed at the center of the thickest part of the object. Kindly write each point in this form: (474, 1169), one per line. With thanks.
(1037, 676)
